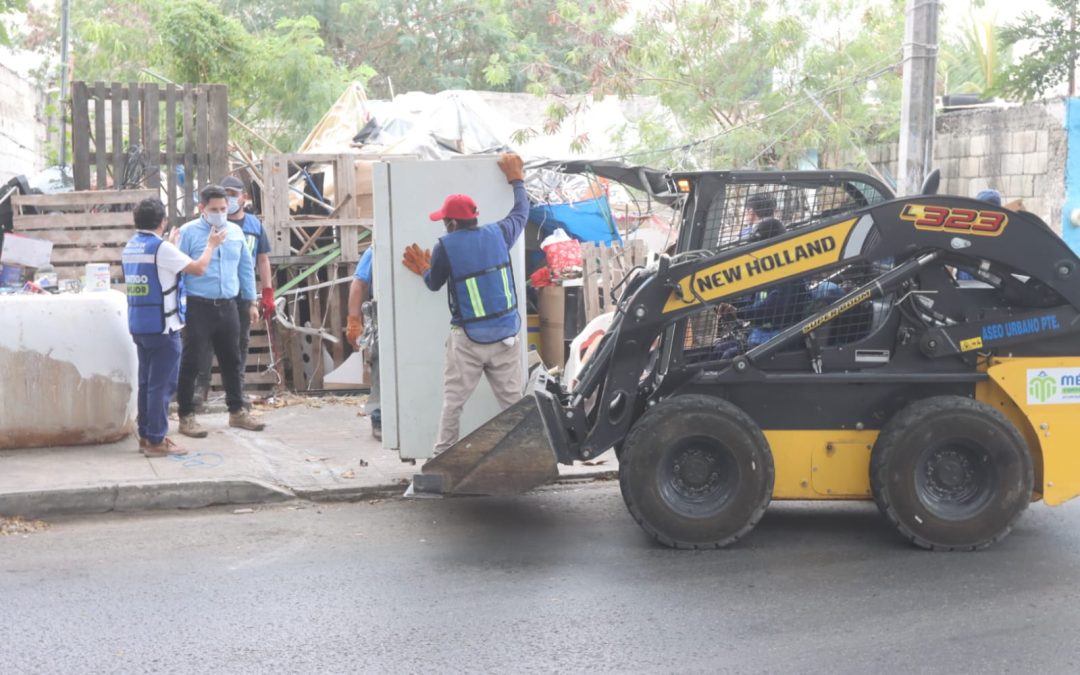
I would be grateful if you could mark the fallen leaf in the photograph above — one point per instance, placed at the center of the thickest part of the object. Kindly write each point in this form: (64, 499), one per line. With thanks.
(348, 474)
(363, 462)
(18, 525)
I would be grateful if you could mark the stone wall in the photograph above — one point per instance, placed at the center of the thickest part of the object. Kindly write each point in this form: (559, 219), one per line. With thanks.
(23, 130)
(1018, 151)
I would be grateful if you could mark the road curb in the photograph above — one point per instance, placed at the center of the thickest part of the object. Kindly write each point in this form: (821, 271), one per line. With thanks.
(168, 495)
(139, 497)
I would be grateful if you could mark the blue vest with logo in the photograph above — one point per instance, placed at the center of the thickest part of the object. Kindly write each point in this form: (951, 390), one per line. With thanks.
(145, 296)
(483, 299)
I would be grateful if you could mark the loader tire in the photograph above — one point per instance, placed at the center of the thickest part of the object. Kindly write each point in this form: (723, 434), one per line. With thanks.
(951, 474)
(696, 472)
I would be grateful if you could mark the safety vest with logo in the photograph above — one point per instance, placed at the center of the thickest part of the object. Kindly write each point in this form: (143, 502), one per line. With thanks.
(145, 297)
(483, 300)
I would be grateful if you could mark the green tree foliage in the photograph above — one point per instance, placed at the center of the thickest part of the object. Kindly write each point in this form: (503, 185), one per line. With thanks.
(763, 84)
(1055, 54)
(974, 61)
(8, 7)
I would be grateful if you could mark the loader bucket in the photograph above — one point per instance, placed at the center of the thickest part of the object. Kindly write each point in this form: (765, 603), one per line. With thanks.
(507, 455)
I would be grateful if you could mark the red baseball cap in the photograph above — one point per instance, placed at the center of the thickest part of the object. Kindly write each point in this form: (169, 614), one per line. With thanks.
(458, 207)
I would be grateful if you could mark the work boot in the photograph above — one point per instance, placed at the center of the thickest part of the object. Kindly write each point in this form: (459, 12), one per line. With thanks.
(189, 427)
(243, 420)
(163, 449)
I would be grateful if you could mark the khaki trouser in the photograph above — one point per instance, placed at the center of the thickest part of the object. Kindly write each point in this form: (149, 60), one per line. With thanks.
(465, 362)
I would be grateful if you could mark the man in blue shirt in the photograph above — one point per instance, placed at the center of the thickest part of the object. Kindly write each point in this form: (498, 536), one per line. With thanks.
(363, 323)
(258, 245)
(212, 321)
(474, 263)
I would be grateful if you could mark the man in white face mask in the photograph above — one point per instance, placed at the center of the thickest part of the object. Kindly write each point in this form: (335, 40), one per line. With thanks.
(258, 245)
(212, 321)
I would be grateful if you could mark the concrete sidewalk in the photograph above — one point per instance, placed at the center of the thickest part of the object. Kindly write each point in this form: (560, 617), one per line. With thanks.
(312, 448)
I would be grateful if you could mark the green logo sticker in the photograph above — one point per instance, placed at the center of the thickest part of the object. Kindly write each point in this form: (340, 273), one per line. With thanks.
(1042, 387)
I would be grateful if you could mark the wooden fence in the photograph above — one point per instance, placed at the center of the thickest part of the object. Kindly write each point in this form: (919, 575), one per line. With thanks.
(604, 269)
(84, 227)
(176, 125)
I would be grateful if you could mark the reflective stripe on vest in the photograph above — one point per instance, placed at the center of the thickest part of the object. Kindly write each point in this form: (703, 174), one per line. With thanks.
(145, 297)
(483, 299)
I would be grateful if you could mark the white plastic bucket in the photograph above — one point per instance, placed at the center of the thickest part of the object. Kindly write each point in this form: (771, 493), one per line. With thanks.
(97, 277)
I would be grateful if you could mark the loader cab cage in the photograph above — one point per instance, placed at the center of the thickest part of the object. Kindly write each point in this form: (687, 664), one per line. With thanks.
(728, 209)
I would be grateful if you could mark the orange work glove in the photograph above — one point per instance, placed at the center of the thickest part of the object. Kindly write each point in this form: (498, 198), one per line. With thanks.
(354, 330)
(512, 167)
(416, 260)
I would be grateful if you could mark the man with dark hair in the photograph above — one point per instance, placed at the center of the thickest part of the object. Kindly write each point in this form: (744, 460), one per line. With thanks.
(767, 312)
(759, 206)
(212, 320)
(474, 262)
(153, 274)
(258, 245)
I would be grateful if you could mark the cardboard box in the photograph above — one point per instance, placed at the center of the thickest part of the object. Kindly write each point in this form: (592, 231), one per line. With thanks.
(20, 250)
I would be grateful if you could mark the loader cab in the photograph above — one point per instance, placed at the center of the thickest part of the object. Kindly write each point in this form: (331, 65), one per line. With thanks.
(717, 217)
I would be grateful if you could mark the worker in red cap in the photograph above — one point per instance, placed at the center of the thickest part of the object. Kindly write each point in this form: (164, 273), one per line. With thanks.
(474, 262)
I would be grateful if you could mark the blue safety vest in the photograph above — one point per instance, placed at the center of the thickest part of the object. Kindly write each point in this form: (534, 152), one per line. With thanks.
(145, 297)
(483, 299)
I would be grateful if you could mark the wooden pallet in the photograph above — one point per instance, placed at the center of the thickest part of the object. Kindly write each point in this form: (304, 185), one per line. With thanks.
(604, 268)
(84, 227)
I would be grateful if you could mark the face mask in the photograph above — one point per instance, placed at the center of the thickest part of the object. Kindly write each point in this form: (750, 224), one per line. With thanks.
(234, 205)
(215, 219)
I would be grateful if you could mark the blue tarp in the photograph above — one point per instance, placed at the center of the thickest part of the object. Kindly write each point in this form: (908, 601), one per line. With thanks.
(589, 220)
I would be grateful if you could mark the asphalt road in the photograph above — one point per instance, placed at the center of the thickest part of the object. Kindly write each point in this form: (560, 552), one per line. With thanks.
(557, 581)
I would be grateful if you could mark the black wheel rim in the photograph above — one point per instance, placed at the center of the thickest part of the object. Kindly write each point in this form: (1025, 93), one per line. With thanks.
(698, 476)
(955, 479)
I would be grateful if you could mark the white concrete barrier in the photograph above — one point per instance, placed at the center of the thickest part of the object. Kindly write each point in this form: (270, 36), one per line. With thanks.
(68, 370)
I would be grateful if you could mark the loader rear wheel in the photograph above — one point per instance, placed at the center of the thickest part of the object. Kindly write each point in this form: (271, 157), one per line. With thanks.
(951, 474)
(696, 472)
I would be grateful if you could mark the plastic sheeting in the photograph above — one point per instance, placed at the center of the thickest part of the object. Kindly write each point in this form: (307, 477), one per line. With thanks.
(588, 220)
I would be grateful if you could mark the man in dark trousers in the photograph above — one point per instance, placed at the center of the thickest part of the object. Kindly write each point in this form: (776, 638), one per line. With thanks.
(258, 245)
(212, 321)
(153, 274)
(475, 264)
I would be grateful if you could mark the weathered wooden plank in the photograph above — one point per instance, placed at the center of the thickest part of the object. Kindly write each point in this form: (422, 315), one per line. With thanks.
(101, 146)
(334, 313)
(317, 372)
(109, 254)
(170, 154)
(116, 111)
(67, 221)
(134, 123)
(109, 237)
(80, 136)
(83, 198)
(152, 134)
(189, 152)
(218, 131)
(202, 138)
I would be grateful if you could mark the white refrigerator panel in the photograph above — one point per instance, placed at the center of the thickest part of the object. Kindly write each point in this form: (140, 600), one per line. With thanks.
(414, 322)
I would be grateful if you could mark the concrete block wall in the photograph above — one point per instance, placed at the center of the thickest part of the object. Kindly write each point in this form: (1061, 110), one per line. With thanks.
(1019, 151)
(23, 129)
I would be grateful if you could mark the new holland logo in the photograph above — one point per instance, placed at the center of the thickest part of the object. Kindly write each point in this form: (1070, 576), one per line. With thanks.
(1042, 387)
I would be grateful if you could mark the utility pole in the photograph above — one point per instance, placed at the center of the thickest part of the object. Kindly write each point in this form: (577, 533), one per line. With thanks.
(65, 16)
(917, 104)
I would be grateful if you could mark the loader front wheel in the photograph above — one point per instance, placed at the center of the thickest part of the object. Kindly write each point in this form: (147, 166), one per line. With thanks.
(951, 473)
(696, 472)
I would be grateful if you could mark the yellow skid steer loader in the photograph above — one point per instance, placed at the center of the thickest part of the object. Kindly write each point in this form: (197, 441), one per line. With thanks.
(829, 342)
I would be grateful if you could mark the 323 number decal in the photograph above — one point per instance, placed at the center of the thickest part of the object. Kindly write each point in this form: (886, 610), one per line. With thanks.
(941, 218)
